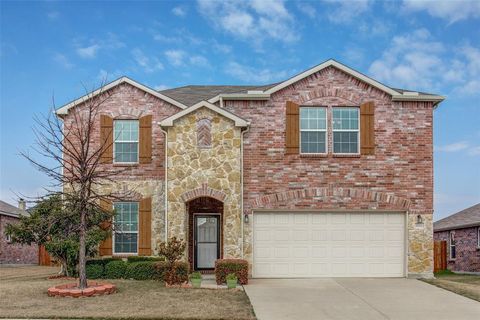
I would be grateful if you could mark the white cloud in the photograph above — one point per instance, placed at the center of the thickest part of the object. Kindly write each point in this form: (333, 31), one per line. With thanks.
(223, 48)
(474, 151)
(453, 147)
(452, 10)
(253, 75)
(53, 15)
(307, 9)
(88, 52)
(62, 60)
(161, 87)
(179, 11)
(417, 61)
(93, 46)
(149, 65)
(175, 57)
(347, 11)
(254, 20)
(199, 61)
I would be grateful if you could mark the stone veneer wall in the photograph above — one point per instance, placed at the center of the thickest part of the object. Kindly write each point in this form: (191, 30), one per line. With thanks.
(217, 167)
(138, 189)
(401, 168)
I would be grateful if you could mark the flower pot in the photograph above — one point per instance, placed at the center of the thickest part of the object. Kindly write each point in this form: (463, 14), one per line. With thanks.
(232, 284)
(196, 283)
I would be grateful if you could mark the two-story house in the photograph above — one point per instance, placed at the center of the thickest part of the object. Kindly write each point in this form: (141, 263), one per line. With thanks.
(328, 173)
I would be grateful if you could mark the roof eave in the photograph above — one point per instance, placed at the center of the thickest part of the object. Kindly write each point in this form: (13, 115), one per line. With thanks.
(463, 226)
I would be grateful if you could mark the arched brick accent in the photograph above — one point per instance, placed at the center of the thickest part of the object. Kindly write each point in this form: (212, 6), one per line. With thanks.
(203, 191)
(361, 193)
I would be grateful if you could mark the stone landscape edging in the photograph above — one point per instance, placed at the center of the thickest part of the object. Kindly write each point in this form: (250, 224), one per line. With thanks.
(71, 290)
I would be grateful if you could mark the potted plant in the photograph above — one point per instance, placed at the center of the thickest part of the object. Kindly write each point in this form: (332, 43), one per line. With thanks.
(196, 279)
(231, 280)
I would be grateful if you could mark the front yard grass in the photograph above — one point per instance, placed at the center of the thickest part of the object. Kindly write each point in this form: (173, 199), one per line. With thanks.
(23, 294)
(464, 284)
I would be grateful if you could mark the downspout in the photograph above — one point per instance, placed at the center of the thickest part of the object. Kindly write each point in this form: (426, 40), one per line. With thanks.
(165, 191)
(241, 186)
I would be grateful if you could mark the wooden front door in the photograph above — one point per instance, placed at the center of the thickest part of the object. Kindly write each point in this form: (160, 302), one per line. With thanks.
(207, 241)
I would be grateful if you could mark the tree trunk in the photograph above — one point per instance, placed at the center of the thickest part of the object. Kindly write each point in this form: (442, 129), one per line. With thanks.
(82, 274)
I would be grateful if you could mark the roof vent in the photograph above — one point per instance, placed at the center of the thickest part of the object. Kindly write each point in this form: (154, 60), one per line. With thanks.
(410, 93)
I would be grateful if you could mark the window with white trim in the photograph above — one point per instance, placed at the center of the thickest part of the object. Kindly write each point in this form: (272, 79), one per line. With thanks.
(313, 130)
(478, 237)
(451, 244)
(125, 237)
(8, 238)
(126, 141)
(345, 125)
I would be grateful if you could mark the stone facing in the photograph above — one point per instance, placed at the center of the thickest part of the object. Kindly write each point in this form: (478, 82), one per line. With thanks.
(466, 249)
(195, 171)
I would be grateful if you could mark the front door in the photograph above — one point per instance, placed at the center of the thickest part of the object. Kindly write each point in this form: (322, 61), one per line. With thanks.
(207, 239)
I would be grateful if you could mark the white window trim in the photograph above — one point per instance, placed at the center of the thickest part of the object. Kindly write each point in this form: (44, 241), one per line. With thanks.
(138, 235)
(8, 238)
(450, 245)
(346, 130)
(313, 130)
(126, 141)
(478, 237)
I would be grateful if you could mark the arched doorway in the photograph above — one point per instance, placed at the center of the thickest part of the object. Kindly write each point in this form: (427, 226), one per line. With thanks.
(205, 232)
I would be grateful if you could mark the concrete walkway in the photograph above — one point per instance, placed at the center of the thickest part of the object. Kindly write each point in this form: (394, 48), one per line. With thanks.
(349, 298)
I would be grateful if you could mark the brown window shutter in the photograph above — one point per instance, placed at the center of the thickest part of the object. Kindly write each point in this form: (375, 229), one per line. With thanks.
(106, 245)
(106, 137)
(145, 148)
(292, 128)
(367, 128)
(145, 227)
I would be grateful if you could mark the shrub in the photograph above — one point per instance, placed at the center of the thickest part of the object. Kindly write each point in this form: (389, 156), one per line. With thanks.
(239, 267)
(231, 276)
(115, 269)
(195, 275)
(142, 270)
(173, 251)
(94, 271)
(180, 276)
(131, 259)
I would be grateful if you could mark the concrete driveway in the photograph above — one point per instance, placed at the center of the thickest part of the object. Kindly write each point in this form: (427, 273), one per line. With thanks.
(349, 298)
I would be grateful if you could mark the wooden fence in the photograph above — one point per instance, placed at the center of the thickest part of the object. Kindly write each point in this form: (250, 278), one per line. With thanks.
(439, 255)
(44, 258)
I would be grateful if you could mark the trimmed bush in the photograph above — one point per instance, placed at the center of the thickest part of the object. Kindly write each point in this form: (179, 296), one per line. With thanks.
(142, 270)
(239, 267)
(132, 259)
(115, 269)
(94, 271)
(182, 269)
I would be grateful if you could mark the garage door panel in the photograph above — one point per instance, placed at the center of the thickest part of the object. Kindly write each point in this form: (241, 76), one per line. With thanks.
(328, 244)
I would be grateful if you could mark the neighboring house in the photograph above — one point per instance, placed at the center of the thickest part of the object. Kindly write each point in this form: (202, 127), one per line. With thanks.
(11, 253)
(328, 173)
(461, 231)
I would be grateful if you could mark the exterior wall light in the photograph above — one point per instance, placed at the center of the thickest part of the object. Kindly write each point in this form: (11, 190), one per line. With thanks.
(246, 218)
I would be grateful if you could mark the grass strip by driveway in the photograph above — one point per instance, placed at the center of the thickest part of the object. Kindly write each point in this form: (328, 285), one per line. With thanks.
(466, 285)
(26, 297)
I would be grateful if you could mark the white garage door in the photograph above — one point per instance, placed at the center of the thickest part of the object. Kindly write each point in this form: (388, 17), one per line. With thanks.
(294, 245)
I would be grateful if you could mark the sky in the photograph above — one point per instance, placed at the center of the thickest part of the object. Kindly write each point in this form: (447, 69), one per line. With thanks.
(51, 51)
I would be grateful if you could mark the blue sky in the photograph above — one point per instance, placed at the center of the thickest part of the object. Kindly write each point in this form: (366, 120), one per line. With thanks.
(54, 48)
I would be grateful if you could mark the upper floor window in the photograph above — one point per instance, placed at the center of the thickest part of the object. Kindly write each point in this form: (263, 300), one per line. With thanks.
(126, 228)
(126, 141)
(451, 244)
(346, 130)
(313, 130)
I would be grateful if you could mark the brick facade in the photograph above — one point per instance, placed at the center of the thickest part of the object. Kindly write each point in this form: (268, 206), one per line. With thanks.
(399, 176)
(466, 247)
(15, 253)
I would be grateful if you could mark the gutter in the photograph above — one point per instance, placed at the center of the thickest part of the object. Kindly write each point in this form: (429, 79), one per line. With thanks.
(165, 191)
(464, 226)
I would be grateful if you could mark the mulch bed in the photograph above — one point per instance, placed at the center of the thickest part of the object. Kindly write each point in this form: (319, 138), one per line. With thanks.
(71, 290)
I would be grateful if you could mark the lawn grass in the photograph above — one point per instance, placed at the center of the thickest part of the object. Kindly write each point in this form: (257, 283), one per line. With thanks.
(23, 295)
(466, 285)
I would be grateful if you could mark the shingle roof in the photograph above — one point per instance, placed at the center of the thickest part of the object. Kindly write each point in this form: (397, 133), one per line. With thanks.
(190, 95)
(469, 217)
(9, 210)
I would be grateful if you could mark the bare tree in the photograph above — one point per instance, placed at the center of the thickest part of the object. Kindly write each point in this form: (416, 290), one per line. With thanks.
(71, 153)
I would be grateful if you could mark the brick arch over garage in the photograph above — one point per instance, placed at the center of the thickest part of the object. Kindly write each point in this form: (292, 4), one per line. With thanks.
(203, 191)
(271, 201)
